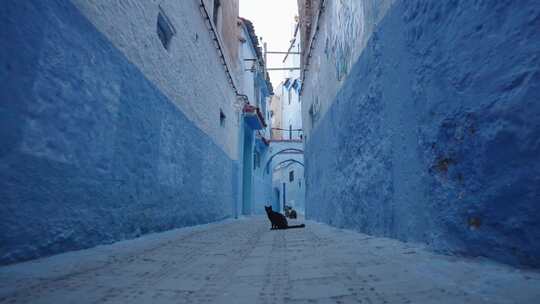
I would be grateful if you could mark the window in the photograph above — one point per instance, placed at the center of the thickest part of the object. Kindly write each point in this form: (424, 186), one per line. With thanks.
(165, 30)
(222, 118)
(215, 12)
(299, 183)
(291, 176)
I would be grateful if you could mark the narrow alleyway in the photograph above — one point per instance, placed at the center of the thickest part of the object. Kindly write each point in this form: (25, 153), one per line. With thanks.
(244, 262)
(410, 119)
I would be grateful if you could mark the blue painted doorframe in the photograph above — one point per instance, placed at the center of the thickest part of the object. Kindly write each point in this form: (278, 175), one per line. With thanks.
(247, 169)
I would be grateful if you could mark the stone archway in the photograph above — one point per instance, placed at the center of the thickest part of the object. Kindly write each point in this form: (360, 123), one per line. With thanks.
(287, 150)
(290, 160)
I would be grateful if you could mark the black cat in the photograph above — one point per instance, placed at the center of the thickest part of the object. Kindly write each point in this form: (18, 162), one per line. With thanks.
(278, 220)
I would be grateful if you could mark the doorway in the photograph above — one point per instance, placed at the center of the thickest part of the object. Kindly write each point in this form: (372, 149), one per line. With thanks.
(277, 199)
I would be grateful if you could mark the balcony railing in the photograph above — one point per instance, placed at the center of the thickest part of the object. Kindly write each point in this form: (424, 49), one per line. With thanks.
(287, 134)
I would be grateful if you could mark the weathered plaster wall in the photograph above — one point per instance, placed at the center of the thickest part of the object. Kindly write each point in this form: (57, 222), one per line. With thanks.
(433, 133)
(104, 137)
(307, 11)
(343, 32)
(247, 78)
(230, 30)
(190, 71)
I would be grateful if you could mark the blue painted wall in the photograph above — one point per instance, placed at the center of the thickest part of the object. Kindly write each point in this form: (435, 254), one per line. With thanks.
(435, 133)
(247, 167)
(90, 151)
(262, 181)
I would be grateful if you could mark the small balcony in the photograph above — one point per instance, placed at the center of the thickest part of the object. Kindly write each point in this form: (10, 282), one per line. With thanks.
(253, 117)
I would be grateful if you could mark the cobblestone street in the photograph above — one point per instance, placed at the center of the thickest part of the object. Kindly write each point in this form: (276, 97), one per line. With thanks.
(244, 262)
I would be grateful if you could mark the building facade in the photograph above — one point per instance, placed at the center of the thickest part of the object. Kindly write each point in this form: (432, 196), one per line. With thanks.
(287, 170)
(287, 163)
(419, 119)
(276, 116)
(256, 184)
(290, 89)
(118, 118)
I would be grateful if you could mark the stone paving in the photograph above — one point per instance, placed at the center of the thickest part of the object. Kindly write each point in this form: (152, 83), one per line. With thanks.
(242, 261)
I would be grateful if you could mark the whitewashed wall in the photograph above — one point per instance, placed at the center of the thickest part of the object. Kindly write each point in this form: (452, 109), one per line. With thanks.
(189, 73)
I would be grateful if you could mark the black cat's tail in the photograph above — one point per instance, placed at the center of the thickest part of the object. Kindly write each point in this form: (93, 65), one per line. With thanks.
(296, 226)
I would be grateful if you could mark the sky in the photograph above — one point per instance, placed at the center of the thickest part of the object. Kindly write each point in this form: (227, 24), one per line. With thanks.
(274, 21)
